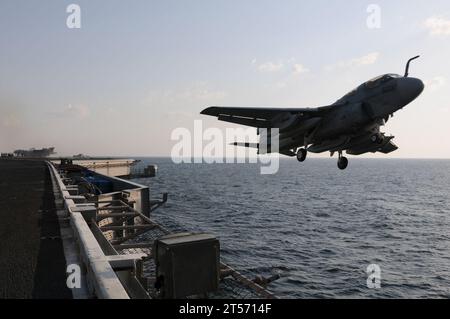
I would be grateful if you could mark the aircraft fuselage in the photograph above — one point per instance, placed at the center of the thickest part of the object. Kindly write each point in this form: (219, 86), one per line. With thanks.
(374, 100)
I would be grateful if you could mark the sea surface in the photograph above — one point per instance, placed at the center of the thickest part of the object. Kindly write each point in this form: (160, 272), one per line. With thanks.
(319, 228)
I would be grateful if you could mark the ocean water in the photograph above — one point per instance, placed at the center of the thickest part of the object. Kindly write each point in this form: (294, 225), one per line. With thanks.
(319, 227)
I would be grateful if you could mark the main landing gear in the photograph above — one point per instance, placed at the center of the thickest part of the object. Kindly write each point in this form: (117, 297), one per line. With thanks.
(301, 155)
(342, 161)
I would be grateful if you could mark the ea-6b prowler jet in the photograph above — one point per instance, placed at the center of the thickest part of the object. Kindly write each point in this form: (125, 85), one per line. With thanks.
(351, 124)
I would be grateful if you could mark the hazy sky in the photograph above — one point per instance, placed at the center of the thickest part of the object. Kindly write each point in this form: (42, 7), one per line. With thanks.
(136, 70)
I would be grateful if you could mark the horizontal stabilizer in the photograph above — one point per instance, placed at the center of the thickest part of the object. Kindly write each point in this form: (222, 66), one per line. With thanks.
(249, 145)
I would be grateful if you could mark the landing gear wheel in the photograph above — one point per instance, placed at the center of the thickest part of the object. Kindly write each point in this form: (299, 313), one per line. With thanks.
(342, 162)
(301, 155)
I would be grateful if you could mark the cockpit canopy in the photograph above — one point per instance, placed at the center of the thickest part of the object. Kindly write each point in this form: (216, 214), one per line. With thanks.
(372, 83)
(380, 79)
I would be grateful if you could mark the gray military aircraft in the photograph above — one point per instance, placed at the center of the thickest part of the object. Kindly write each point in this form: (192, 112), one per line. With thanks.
(351, 124)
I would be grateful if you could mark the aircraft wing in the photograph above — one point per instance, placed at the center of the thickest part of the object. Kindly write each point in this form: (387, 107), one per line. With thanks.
(261, 116)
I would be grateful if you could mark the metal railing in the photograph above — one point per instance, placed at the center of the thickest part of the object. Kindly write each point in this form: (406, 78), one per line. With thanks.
(101, 277)
(104, 229)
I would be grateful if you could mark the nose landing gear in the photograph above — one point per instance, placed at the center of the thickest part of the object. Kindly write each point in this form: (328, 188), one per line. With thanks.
(342, 161)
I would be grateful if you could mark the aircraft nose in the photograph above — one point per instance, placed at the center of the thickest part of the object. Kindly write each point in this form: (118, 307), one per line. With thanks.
(410, 88)
(417, 86)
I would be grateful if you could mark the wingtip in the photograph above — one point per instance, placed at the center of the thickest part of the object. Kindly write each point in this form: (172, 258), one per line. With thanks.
(208, 110)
